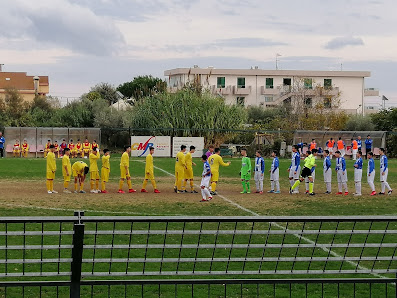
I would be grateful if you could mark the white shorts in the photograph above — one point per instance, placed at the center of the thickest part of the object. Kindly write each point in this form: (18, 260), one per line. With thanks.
(383, 178)
(205, 181)
(331, 150)
(358, 175)
(294, 176)
(327, 175)
(371, 178)
(355, 151)
(258, 176)
(342, 176)
(342, 152)
(275, 176)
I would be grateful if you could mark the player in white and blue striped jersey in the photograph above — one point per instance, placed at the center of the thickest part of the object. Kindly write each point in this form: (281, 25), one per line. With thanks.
(327, 171)
(358, 173)
(384, 170)
(259, 171)
(295, 168)
(205, 180)
(275, 174)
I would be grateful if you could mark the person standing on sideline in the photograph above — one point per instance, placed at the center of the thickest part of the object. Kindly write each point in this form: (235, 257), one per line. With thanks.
(368, 144)
(294, 168)
(259, 171)
(327, 172)
(51, 169)
(371, 173)
(358, 173)
(341, 147)
(245, 172)
(330, 146)
(2, 144)
(354, 148)
(105, 170)
(306, 172)
(189, 170)
(210, 151)
(274, 174)
(66, 170)
(205, 180)
(149, 172)
(341, 173)
(313, 145)
(384, 170)
(125, 170)
(180, 166)
(215, 160)
(359, 143)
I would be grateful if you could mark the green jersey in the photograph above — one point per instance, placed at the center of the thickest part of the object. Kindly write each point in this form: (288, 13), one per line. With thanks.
(245, 166)
(310, 161)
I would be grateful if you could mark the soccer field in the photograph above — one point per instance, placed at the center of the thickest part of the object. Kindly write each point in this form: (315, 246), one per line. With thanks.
(23, 193)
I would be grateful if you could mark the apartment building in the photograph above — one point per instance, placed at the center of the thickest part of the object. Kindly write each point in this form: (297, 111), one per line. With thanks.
(267, 88)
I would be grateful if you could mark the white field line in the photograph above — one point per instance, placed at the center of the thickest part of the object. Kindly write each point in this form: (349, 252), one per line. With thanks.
(300, 237)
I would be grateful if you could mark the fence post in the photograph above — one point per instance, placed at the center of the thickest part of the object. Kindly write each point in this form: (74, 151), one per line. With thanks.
(77, 256)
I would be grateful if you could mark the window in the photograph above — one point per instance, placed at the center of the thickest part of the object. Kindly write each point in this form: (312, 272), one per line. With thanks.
(308, 83)
(220, 82)
(328, 83)
(240, 82)
(240, 101)
(327, 103)
(308, 102)
(269, 83)
(268, 98)
(287, 82)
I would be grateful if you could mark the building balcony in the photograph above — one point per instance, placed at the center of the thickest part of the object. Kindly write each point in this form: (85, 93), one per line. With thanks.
(371, 92)
(265, 90)
(242, 91)
(222, 91)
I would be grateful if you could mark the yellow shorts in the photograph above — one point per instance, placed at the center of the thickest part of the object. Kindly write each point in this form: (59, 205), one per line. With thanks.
(75, 174)
(16, 151)
(149, 176)
(105, 175)
(123, 173)
(66, 178)
(215, 176)
(94, 175)
(50, 175)
(189, 174)
(180, 173)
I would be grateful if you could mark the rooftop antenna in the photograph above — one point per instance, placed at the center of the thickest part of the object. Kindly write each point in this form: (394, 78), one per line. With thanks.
(341, 67)
(277, 55)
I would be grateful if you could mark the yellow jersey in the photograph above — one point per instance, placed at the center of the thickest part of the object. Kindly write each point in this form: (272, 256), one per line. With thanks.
(66, 164)
(189, 160)
(94, 161)
(79, 167)
(51, 162)
(125, 160)
(149, 164)
(106, 162)
(180, 160)
(215, 161)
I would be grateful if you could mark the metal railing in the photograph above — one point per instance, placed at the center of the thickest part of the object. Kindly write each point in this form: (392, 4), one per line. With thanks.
(249, 254)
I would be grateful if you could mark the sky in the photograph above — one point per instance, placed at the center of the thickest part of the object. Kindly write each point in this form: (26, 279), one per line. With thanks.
(80, 43)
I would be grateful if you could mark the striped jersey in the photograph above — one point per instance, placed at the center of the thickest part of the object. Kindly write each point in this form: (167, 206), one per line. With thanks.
(295, 161)
(259, 164)
(359, 163)
(340, 164)
(206, 169)
(383, 163)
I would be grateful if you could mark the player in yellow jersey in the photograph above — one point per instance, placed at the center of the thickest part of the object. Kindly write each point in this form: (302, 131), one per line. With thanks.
(25, 148)
(180, 166)
(66, 170)
(16, 150)
(86, 148)
(125, 170)
(47, 148)
(215, 160)
(105, 171)
(189, 170)
(80, 170)
(94, 172)
(149, 172)
(51, 169)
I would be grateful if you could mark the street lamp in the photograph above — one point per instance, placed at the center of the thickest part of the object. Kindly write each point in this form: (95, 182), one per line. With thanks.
(358, 108)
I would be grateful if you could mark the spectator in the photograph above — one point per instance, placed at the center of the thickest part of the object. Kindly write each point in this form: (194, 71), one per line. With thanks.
(2, 142)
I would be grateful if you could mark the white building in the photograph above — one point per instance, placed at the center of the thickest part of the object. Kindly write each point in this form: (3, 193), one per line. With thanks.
(259, 87)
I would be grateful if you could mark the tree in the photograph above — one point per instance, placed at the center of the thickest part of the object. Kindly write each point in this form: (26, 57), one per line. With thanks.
(359, 123)
(14, 109)
(142, 86)
(386, 120)
(105, 91)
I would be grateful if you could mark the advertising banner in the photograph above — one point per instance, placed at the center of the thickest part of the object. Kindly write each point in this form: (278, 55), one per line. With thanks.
(140, 146)
(198, 142)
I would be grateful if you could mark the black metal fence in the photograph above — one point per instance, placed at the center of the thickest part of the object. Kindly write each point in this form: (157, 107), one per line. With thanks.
(81, 256)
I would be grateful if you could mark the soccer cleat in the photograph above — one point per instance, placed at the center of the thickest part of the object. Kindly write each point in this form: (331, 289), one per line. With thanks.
(277, 191)
(257, 191)
(312, 194)
(261, 192)
(295, 192)
(93, 191)
(290, 191)
(214, 193)
(357, 195)
(270, 191)
(81, 191)
(389, 192)
(143, 190)
(175, 189)
(373, 193)
(121, 191)
(209, 199)
(306, 192)
(346, 193)
(248, 192)
(98, 191)
(67, 191)
(193, 191)
(54, 191)
(204, 200)
(243, 192)
(156, 191)
(338, 193)
(49, 192)
(327, 192)
(131, 190)
(381, 193)
(104, 191)
(76, 191)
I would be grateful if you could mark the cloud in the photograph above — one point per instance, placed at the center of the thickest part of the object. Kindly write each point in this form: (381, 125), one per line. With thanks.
(247, 42)
(341, 42)
(61, 24)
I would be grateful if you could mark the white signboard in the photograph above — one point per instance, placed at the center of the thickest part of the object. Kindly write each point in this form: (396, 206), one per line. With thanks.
(198, 142)
(140, 146)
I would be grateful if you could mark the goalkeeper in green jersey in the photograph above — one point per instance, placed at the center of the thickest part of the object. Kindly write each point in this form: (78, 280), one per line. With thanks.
(245, 171)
